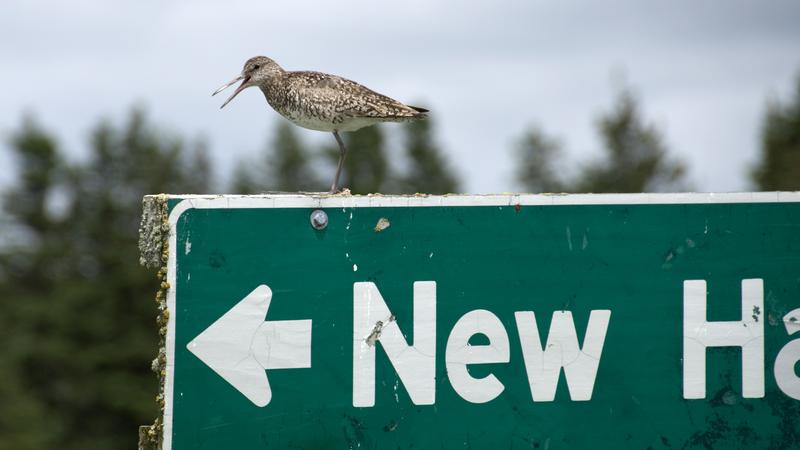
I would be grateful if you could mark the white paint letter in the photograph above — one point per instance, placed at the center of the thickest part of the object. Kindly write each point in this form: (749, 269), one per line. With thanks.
(543, 365)
(459, 353)
(374, 323)
(785, 376)
(699, 334)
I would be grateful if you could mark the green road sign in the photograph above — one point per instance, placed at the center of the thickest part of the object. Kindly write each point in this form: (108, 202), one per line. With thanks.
(507, 321)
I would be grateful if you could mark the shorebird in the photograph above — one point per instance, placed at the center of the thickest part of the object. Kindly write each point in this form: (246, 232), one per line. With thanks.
(319, 101)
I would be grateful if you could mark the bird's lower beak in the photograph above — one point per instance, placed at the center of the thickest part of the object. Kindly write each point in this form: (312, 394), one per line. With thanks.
(236, 92)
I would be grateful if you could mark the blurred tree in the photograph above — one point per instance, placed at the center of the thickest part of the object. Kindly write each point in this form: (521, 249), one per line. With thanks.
(636, 159)
(39, 167)
(286, 166)
(538, 159)
(243, 180)
(290, 166)
(30, 259)
(80, 333)
(366, 169)
(427, 171)
(779, 167)
(199, 173)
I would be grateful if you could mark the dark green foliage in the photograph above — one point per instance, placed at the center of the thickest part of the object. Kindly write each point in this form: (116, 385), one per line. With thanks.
(635, 158)
(427, 171)
(289, 165)
(39, 165)
(366, 169)
(77, 325)
(286, 166)
(290, 168)
(25, 273)
(537, 159)
(779, 167)
(243, 181)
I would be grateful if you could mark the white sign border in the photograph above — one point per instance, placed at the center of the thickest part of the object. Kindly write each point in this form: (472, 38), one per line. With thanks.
(271, 201)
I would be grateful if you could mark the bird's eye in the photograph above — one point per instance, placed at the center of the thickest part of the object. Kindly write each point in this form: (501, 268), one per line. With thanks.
(256, 67)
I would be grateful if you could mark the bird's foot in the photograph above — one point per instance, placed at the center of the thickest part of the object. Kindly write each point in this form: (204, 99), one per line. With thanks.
(341, 191)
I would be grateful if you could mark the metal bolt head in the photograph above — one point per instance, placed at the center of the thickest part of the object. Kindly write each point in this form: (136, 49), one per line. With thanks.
(319, 219)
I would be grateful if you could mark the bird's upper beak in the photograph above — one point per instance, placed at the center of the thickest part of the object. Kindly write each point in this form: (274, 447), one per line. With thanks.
(241, 87)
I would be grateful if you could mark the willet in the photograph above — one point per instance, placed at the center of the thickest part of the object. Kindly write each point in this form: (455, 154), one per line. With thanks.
(319, 101)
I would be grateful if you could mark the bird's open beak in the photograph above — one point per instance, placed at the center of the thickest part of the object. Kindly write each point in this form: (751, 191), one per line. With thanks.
(236, 92)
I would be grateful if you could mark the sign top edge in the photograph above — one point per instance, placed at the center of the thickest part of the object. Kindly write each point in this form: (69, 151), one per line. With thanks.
(322, 200)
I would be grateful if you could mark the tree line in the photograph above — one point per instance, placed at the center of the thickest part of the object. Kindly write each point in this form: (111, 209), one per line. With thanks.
(77, 328)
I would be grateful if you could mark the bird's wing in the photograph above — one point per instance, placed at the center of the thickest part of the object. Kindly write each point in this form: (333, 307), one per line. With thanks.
(347, 97)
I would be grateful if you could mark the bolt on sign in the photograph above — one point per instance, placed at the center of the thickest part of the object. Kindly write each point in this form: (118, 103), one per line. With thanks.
(501, 321)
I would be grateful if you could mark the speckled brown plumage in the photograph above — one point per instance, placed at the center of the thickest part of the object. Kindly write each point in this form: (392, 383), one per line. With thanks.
(332, 99)
(322, 102)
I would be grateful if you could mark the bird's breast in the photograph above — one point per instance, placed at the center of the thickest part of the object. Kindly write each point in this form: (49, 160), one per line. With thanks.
(310, 122)
(321, 114)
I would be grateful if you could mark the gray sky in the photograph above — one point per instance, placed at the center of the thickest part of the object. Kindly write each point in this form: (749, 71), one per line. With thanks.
(703, 70)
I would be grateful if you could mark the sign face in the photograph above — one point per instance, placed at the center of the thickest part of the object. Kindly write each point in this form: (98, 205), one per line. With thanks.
(509, 321)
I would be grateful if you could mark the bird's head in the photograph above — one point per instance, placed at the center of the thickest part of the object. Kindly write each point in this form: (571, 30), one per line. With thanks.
(258, 70)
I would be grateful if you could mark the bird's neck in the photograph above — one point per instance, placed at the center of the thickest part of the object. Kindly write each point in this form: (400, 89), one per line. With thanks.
(272, 89)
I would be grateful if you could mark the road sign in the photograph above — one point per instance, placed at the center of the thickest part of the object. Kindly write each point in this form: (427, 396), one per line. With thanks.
(507, 321)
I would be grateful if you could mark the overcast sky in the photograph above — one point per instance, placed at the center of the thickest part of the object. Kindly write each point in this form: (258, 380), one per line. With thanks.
(704, 70)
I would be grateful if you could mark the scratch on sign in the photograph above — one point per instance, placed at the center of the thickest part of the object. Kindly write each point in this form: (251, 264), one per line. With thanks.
(376, 332)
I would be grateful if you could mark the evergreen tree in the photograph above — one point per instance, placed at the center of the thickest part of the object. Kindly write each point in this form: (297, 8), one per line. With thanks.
(636, 158)
(779, 167)
(290, 168)
(427, 171)
(538, 158)
(30, 259)
(199, 173)
(243, 180)
(286, 166)
(76, 319)
(366, 169)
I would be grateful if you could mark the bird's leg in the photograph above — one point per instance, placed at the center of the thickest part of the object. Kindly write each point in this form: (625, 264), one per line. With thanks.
(342, 155)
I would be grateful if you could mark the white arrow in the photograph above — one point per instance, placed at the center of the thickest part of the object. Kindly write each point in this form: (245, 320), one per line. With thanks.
(240, 346)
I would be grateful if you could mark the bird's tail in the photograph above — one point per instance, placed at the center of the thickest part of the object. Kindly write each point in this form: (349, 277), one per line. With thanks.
(423, 113)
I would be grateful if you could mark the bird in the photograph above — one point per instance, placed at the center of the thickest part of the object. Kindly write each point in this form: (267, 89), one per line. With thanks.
(320, 101)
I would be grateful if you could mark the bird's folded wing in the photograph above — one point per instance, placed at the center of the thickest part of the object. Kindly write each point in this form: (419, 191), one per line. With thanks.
(347, 97)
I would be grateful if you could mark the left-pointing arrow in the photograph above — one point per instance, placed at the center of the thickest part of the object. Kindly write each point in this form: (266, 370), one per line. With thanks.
(240, 346)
